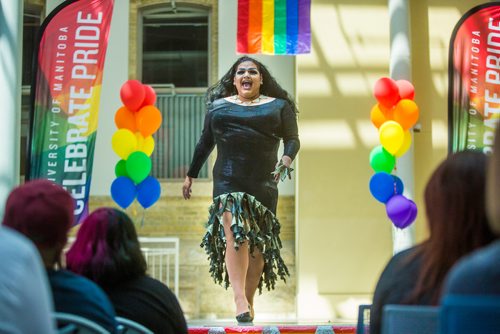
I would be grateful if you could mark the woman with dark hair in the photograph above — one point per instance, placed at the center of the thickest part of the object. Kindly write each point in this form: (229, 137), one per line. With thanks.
(248, 114)
(107, 251)
(479, 273)
(456, 216)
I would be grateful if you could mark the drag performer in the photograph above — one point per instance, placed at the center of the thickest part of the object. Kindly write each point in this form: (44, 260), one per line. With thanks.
(248, 114)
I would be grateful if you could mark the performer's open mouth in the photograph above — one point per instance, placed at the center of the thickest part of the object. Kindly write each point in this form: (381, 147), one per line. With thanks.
(246, 84)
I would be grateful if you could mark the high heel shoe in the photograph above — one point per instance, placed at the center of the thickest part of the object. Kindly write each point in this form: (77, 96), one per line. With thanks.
(246, 317)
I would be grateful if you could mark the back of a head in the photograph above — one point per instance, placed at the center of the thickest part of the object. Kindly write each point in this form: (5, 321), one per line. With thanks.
(42, 211)
(106, 249)
(454, 200)
(493, 186)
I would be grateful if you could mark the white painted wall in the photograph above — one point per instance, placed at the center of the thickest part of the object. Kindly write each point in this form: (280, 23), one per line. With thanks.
(115, 74)
(281, 67)
(10, 86)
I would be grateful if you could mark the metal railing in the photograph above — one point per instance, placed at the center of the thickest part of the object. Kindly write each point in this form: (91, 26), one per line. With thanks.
(162, 258)
(183, 116)
(160, 253)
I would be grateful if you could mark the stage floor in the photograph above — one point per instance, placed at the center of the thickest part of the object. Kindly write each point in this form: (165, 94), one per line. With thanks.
(229, 326)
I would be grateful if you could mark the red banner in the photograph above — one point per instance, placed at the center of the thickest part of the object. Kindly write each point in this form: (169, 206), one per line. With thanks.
(65, 93)
(474, 79)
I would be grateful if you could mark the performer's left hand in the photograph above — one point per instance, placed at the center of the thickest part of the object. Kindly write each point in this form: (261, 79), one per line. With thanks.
(287, 161)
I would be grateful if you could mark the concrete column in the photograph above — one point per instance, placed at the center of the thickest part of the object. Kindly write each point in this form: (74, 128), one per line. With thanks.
(11, 20)
(400, 68)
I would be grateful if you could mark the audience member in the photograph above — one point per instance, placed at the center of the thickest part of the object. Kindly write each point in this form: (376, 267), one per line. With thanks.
(479, 273)
(43, 211)
(107, 251)
(25, 300)
(454, 203)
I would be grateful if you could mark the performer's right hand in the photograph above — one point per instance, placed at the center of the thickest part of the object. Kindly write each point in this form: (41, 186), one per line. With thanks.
(186, 187)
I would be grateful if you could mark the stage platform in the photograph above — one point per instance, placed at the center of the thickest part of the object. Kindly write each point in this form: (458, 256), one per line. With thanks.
(274, 329)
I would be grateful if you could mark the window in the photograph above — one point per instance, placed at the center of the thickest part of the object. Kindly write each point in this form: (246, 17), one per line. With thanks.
(175, 61)
(175, 47)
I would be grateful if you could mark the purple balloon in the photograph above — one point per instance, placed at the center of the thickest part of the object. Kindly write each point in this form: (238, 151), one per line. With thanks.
(399, 210)
(413, 215)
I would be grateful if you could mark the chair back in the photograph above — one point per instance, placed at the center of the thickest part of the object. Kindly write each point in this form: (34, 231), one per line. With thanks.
(410, 319)
(127, 326)
(470, 314)
(71, 324)
(363, 319)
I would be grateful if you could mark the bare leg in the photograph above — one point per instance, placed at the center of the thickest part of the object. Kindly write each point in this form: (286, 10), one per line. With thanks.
(255, 267)
(237, 265)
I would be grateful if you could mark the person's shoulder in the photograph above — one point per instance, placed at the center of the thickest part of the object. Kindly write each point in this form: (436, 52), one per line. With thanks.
(78, 281)
(18, 243)
(479, 261)
(216, 103)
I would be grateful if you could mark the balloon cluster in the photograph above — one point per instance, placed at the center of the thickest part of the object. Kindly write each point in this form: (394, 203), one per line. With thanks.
(136, 121)
(394, 115)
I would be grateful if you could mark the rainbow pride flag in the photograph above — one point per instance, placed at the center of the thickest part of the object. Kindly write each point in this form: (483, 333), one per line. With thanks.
(276, 27)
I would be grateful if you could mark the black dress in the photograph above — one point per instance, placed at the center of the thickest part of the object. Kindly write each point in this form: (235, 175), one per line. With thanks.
(247, 140)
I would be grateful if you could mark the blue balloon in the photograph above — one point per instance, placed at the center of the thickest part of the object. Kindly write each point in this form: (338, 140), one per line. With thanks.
(148, 192)
(123, 191)
(382, 186)
(398, 184)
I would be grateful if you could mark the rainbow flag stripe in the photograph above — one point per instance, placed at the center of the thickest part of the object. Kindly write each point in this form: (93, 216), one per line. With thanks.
(279, 27)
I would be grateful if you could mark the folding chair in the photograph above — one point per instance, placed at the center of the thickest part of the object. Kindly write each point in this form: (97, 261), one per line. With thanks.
(410, 319)
(71, 324)
(363, 319)
(127, 326)
(470, 314)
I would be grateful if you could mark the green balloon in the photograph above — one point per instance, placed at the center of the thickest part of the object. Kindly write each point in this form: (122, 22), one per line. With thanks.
(121, 169)
(381, 160)
(138, 166)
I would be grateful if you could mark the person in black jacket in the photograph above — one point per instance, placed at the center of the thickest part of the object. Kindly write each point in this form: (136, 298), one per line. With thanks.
(107, 251)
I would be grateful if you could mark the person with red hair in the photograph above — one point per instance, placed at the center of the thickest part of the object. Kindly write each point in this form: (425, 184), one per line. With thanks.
(43, 212)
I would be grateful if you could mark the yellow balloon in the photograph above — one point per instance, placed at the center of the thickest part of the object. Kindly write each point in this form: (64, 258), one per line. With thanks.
(123, 143)
(391, 136)
(146, 145)
(406, 145)
(149, 145)
(140, 140)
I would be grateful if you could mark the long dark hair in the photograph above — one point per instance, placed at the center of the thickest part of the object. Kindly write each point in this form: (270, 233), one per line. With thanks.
(270, 87)
(456, 215)
(106, 249)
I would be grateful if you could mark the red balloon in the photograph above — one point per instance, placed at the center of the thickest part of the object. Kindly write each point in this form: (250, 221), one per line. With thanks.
(150, 97)
(386, 92)
(406, 89)
(132, 94)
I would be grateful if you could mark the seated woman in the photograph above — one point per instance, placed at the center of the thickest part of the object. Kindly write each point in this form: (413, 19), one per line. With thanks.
(479, 273)
(43, 211)
(454, 201)
(107, 251)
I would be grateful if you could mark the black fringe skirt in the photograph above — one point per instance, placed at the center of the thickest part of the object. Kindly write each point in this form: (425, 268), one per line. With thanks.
(252, 221)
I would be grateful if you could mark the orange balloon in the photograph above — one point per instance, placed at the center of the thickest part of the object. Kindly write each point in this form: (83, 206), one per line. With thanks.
(380, 114)
(406, 113)
(148, 120)
(125, 119)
